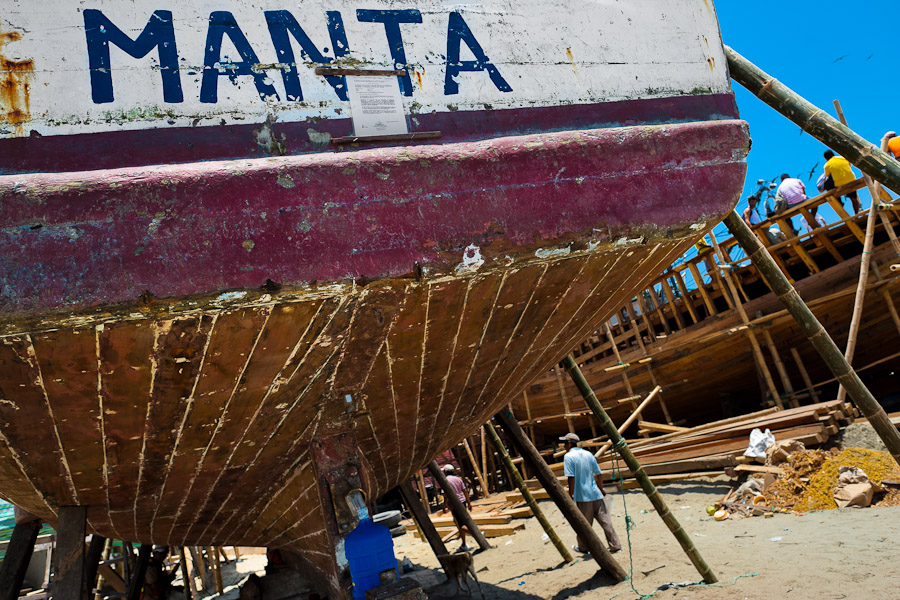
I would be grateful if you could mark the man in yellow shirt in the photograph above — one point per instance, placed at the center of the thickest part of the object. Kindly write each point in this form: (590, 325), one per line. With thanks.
(839, 172)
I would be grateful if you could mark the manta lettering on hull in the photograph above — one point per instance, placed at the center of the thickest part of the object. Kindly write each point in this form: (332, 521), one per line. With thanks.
(159, 35)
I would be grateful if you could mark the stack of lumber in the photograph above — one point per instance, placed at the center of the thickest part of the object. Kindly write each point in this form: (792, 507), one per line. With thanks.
(706, 449)
(490, 525)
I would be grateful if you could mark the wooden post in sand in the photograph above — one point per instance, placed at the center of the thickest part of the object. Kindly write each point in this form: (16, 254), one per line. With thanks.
(818, 337)
(15, 562)
(420, 516)
(526, 493)
(560, 496)
(652, 494)
(458, 509)
(864, 260)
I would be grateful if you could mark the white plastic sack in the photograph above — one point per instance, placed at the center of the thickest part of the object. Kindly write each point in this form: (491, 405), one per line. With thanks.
(759, 441)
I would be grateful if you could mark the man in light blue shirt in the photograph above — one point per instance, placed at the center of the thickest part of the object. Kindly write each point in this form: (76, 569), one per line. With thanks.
(586, 488)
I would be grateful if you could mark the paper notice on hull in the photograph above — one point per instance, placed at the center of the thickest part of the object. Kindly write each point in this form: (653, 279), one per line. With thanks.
(376, 106)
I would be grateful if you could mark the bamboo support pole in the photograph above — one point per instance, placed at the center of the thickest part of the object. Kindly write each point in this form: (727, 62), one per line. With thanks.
(816, 122)
(478, 474)
(652, 494)
(779, 366)
(814, 395)
(867, 404)
(754, 343)
(526, 493)
(863, 263)
(457, 507)
(561, 497)
(631, 419)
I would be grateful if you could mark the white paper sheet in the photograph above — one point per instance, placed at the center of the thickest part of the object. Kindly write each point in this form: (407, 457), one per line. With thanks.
(376, 106)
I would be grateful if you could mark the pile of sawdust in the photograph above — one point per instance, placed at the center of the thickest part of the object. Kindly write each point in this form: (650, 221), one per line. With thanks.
(810, 477)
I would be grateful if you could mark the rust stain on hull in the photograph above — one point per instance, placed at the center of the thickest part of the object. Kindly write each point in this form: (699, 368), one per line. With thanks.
(15, 87)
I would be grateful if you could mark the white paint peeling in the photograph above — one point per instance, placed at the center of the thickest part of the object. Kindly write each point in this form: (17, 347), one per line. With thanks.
(230, 296)
(551, 252)
(471, 260)
(627, 241)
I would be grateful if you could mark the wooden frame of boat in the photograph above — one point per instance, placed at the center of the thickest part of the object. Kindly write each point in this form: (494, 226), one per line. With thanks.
(691, 339)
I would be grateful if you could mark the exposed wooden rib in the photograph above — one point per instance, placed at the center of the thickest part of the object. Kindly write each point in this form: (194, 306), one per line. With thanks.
(177, 369)
(97, 330)
(24, 410)
(475, 335)
(189, 405)
(32, 357)
(512, 303)
(452, 298)
(244, 463)
(124, 363)
(229, 349)
(558, 322)
(234, 415)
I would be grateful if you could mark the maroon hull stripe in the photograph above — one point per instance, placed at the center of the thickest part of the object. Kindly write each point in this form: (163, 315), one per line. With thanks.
(80, 239)
(117, 149)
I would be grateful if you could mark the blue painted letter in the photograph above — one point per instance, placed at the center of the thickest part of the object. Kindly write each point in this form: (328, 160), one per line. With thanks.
(457, 32)
(158, 33)
(392, 20)
(282, 25)
(222, 23)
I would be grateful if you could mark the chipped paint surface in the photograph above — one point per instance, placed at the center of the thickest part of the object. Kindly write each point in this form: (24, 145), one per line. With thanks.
(624, 51)
(406, 206)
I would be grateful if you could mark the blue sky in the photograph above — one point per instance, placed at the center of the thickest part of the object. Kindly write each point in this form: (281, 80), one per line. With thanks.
(823, 51)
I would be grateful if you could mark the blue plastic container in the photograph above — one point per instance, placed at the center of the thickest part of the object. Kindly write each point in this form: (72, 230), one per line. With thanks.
(370, 550)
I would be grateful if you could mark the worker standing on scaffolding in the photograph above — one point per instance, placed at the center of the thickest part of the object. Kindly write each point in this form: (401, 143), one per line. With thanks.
(586, 488)
(838, 173)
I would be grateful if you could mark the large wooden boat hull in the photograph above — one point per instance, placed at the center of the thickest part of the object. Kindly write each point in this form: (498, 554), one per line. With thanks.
(194, 421)
(208, 352)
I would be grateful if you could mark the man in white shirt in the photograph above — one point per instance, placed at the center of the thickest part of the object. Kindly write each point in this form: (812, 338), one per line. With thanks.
(586, 488)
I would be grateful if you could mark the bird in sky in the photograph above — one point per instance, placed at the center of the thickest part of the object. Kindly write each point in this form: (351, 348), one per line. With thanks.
(812, 171)
(840, 58)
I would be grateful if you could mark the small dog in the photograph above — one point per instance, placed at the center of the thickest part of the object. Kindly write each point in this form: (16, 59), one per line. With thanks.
(459, 566)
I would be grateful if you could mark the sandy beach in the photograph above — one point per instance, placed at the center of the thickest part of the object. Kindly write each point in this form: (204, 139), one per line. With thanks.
(850, 553)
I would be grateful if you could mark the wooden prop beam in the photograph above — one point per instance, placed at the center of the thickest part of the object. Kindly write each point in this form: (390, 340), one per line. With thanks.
(190, 587)
(634, 415)
(814, 121)
(560, 496)
(457, 507)
(213, 556)
(864, 260)
(478, 473)
(526, 493)
(92, 563)
(140, 571)
(15, 563)
(818, 337)
(69, 580)
(420, 516)
(199, 569)
(652, 494)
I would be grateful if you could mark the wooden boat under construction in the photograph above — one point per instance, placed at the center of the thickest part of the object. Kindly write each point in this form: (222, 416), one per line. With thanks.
(685, 333)
(219, 318)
